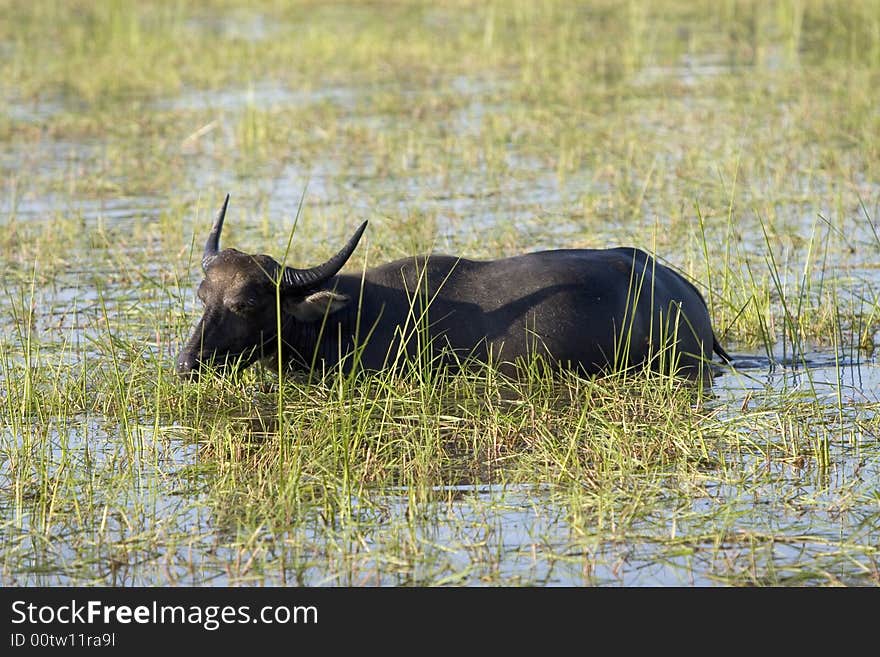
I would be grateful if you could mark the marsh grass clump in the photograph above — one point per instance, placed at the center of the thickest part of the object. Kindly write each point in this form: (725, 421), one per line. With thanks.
(390, 431)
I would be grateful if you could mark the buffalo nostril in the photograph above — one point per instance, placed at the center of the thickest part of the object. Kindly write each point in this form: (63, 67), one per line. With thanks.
(187, 368)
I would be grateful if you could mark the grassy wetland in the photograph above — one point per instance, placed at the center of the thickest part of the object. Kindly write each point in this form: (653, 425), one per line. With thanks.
(739, 141)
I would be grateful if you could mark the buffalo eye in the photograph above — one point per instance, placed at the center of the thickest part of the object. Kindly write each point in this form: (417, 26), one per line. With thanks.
(244, 306)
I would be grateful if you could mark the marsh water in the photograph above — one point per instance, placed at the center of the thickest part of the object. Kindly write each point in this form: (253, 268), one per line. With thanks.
(106, 203)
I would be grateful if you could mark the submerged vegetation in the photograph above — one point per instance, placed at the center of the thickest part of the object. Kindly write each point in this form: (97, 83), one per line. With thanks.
(736, 140)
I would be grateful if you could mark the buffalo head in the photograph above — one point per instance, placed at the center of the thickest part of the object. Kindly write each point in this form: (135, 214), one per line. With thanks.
(242, 293)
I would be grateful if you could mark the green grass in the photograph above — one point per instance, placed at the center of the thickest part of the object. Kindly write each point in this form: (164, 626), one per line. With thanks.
(735, 140)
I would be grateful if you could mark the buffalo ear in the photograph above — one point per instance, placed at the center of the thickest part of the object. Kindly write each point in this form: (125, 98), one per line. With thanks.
(315, 306)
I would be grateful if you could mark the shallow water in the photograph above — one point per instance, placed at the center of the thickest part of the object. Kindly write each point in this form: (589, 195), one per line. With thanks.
(469, 534)
(479, 534)
(833, 378)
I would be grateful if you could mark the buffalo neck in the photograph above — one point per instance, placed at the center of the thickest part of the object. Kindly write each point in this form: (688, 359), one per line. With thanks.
(329, 341)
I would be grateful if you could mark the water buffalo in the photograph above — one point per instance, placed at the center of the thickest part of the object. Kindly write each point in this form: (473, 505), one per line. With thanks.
(594, 310)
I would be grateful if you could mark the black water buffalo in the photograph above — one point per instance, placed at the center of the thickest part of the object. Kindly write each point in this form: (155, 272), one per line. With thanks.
(594, 310)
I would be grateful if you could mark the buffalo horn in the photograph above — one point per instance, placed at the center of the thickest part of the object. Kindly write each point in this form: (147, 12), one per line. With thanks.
(212, 245)
(309, 278)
